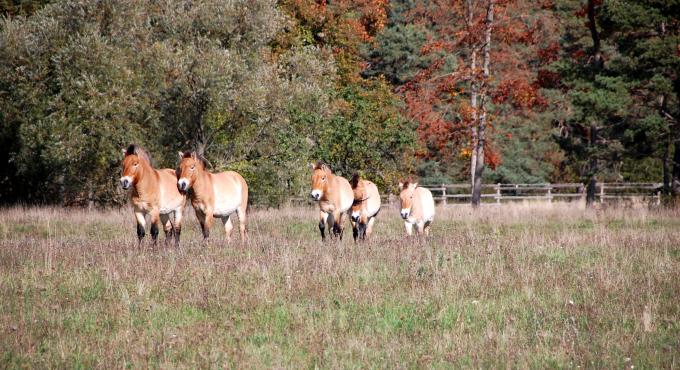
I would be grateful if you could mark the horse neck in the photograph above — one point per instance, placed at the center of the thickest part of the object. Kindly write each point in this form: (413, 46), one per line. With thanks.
(329, 185)
(148, 178)
(203, 184)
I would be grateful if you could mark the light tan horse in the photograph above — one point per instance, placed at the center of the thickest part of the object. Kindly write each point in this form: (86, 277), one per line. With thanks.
(213, 195)
(365, 207)
(417, 207)
(153, 192)
(335, 198)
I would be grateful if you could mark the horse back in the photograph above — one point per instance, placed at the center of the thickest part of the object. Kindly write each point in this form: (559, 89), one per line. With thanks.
(373, 201)
(230, 187)
(343, 196)
(422, 198)
(170, 198)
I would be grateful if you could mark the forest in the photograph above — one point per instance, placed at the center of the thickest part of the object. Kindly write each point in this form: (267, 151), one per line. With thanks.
(468, 91)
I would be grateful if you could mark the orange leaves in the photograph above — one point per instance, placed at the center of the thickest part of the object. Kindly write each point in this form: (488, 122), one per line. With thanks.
(517, 92)
(549, 53)
(492, 157)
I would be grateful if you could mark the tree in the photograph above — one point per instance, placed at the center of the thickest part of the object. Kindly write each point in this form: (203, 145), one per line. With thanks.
(82, 79)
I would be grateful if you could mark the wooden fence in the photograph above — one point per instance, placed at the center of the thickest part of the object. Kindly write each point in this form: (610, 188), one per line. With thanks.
(497, 193)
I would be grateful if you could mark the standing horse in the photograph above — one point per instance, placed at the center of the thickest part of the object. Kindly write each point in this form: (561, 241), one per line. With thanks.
(365, 207)
(153, 192)
(213, 195)
(417, 207)
(335, 198)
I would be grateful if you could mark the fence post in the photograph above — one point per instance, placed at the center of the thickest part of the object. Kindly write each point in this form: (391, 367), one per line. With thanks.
(498, 193)
(582, 191)
(444, 193)
(549, 193)
(601, 192)
(658, 197)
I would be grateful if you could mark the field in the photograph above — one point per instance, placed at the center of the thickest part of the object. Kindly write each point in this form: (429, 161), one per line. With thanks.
(521, 286)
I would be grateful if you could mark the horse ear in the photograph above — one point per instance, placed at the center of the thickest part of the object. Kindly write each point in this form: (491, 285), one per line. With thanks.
(311, 165)
(181, 155)
(415, 184)
(124, 151)
(401, 185)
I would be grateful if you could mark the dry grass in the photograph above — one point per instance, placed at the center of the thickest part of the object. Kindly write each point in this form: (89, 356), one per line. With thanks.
(526, 286)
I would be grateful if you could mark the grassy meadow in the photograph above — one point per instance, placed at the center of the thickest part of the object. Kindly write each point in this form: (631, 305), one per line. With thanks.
(519, 285)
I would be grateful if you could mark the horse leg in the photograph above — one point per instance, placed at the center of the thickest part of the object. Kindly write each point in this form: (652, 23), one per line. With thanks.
(369, 227)
(426, 228)
(155, 223)
(178, 225)
(167, 227)
(323, 221)
(420, 226)
(228, 227)
(355, 229)
(340, 224)
(409, 228)
(141, 225)
(243, 222)
(205, 219)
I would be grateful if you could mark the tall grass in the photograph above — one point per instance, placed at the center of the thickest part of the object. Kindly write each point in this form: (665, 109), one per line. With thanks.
(524, 286)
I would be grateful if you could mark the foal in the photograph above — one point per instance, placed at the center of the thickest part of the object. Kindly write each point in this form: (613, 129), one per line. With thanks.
(365, 207)
(153, 192)
(213, 194)
(417, 207)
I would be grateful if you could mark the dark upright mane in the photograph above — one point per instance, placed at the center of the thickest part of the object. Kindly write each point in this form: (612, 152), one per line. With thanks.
(138, 151)
(355, 180)
(196, 156)
(320, 165)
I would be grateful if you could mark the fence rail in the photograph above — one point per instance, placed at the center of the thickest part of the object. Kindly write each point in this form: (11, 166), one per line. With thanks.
(547, 192)
(498, 193)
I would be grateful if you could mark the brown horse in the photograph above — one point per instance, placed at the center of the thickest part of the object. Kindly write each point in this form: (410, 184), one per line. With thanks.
(365, 207)
(335, 198)
(213, 195)
(417, 207)
(153, 192)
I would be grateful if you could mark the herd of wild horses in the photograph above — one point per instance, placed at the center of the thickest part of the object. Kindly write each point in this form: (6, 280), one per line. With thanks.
(160, 193)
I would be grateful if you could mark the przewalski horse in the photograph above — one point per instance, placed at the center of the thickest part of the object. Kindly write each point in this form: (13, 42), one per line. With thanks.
(417, 207)
(153, 192)
(335, 198)
(213, 195)
(365, 207)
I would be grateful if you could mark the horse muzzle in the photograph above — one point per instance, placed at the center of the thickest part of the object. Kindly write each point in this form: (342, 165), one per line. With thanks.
(125, 182)
(404, 214)
(315, 194)
(183, 186)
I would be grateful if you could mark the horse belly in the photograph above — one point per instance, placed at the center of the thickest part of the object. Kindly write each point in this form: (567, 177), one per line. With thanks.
(171, 205)
(226, 204)
(170, 201)
(372, 209)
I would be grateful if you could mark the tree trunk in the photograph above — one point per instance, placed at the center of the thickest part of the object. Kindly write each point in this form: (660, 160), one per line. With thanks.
(675, 181)
(666, 168)
(473, 94)
(481, 128)
(598, 61)
(592, 171)
(591, 189)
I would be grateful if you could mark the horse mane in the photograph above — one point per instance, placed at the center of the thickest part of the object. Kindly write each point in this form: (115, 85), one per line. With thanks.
(138, 151)
(198, 157)
(320, 165)
(355, 180)
(408, 181)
